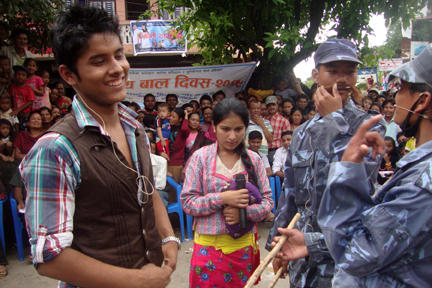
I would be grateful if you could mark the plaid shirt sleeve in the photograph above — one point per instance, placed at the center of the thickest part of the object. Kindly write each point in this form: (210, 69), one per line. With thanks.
(51, 173)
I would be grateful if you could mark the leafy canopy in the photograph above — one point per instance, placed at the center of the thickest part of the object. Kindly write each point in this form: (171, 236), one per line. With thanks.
(36, 16)
(278, 33)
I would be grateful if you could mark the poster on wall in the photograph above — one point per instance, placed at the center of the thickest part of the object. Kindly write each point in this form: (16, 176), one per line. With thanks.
(157, 36)
(189, 83)
(417, 47)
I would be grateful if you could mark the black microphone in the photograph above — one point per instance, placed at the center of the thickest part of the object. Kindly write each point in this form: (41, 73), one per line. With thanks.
(240, 181)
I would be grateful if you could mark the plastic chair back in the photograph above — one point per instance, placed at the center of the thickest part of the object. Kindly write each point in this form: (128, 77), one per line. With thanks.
(176, 207)
(18, 227)
(1, 224)
(272, 186)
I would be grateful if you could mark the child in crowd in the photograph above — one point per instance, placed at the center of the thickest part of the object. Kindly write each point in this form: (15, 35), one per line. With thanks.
(6, 111)
(312, 112)
(55, 112)
(283, 90)
(5, 74)
(390, 158)
(63, 101)
(34, 82)
(367, 102)
(222, 255)
(22, 96)
(54, 97)
(281, 153)
(163, 128)
(376, 107)
(151, 135)
(45, 99)
(255, 141)
(6, 138)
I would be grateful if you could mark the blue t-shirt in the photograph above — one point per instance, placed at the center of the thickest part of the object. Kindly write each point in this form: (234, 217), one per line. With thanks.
(165, 126)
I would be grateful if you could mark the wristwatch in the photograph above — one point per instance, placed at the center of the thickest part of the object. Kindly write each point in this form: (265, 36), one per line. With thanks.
(172, 239)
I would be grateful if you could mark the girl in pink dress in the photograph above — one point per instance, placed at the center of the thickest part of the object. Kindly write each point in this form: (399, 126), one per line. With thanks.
(35, 83)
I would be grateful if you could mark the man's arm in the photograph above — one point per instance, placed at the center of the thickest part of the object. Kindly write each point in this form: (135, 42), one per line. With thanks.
(267, 134)
(21, 108)
(81, 270)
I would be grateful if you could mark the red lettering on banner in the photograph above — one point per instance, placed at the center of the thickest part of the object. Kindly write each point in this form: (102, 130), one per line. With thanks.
(185, 82)
(154, 83)
(130, 84)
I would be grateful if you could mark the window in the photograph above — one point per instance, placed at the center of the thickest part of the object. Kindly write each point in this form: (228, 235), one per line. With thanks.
(109, 6)
(178, 11)
(134, 8)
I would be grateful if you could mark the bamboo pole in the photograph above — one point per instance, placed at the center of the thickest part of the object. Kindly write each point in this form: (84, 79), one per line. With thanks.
(271, 255)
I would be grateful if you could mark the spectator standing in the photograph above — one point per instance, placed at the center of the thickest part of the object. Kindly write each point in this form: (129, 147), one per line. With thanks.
(280, 155)
(278, 123)
(389, 111)
(22, 96)
(218, 96)
(206, 113)
(18, 52)
(63, 101)
(150, 104)
(35, 82)
(172, 101)
(255, 139)
(257, 123)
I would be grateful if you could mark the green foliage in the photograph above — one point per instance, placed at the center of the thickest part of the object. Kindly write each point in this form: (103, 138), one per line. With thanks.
(394, 39)
(279, 33)
(36, 16)
(309, 82)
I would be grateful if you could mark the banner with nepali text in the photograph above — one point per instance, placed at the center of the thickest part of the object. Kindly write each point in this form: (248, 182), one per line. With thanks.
(189, 83)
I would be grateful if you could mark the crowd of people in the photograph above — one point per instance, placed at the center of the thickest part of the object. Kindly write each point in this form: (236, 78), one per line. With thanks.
(329, 135)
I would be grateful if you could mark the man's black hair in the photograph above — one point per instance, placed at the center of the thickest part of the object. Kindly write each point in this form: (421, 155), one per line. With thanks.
(218, 92)
(72, 30)
(171, 95)
(149, 120)
(288, 132)
(205, 97)
(389, 100)
(186, 105)
(19, 31)
(4, 57)
(149, 95)
(255, 135)
(302, 96)
(420, 87)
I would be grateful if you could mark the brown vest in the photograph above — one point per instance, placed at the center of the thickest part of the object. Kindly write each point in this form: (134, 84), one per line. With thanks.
(109, 224)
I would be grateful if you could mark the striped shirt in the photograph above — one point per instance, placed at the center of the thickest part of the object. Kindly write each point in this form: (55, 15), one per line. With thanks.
(279, 125)
(51, 172)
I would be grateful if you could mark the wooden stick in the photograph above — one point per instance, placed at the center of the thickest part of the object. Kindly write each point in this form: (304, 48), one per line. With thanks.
(275, 278)
(271, 255)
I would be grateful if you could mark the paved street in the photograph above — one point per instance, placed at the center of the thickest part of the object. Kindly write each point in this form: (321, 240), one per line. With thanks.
(22, 274)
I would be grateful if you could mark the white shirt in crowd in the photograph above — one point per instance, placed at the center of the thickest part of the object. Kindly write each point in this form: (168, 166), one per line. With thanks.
(159, 167)
(279, 159)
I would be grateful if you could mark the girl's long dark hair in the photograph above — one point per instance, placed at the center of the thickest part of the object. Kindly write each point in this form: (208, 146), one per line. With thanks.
(222, 111)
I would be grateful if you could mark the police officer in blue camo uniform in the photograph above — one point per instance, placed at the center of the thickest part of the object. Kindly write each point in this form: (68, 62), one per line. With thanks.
(320, 141)
(386, 240)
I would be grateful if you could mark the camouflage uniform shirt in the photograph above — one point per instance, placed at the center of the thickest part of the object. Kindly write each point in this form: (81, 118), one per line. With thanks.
(385, 240)
(315, 144)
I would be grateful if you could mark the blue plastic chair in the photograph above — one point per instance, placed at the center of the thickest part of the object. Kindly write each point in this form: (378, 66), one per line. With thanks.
(176, 207)
(189, 225)
(278, 185)
(189, 222)
(272, 186)
(18, 227)
(1, 224)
